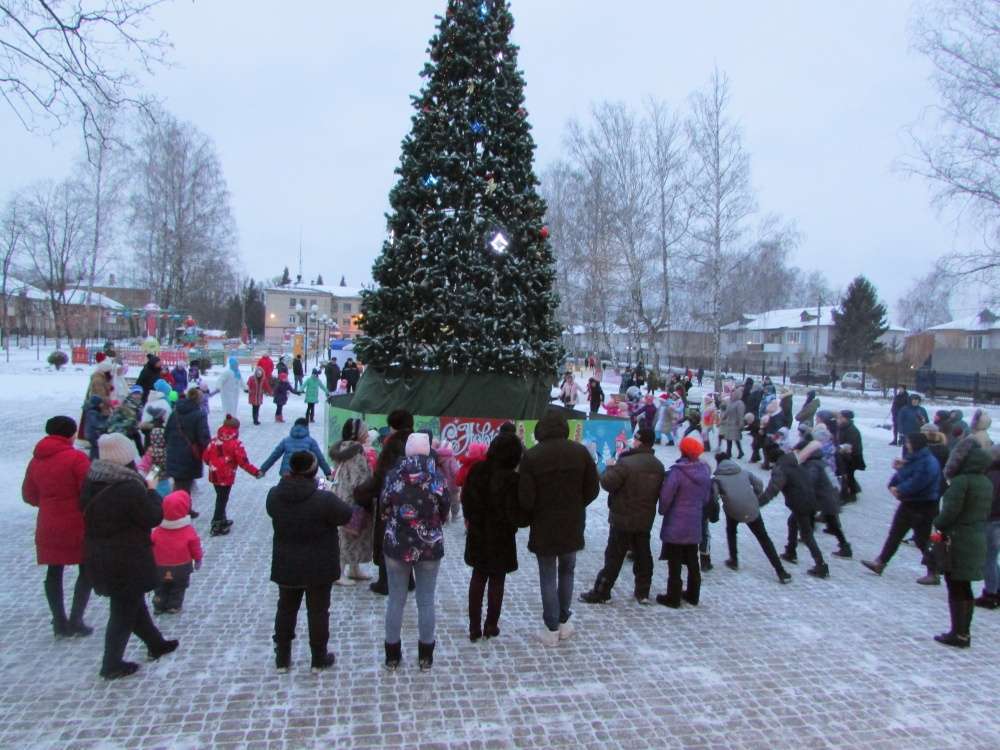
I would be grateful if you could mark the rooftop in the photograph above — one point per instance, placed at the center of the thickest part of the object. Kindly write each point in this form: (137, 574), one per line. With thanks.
(982, 321)
(331, 289)
(792, 318)
(17, 288)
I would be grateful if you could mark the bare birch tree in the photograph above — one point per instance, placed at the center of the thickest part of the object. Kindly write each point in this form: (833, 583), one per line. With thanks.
(62, 62)
(721, 196)
(181, 220)
(11, 247)
(57, 237)
(957, 145)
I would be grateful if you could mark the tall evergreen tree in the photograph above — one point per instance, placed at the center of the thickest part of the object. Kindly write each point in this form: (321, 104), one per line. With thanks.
(859, 322)
(466, 273)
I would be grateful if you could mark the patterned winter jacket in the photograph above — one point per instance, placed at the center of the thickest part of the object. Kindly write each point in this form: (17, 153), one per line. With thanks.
(350, 469)
(414, 503)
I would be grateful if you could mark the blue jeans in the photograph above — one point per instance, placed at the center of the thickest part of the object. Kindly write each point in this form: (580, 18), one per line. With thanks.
(992, 570)
(555, 576)
(426, 573)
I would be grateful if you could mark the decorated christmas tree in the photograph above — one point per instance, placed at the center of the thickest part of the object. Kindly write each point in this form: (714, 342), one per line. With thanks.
(466, 272)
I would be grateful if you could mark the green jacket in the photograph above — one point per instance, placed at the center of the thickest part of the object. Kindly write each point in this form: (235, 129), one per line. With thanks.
(964, 509)
(312, 389)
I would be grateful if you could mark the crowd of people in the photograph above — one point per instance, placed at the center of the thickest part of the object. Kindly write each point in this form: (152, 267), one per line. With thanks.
(124, 515)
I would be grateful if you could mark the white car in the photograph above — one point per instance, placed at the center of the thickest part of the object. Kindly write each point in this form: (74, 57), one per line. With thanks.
(853, 380)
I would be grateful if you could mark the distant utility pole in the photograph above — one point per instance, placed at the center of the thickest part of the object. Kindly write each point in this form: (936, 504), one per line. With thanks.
(300, 252)
(819, 322)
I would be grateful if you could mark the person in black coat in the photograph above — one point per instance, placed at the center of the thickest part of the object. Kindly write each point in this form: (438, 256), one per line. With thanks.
(120, 510)
(150, 373)
(298, 371)
(187, 435)
(850, 456)
(558, 480)
(792, 481)
(332, 372)
(367, 494)
(351, 374)
(305, 557)
(489, 499)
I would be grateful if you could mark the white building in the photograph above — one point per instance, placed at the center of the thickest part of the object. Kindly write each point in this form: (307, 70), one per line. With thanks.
(966, 345)
(797, 334)
(288, 309)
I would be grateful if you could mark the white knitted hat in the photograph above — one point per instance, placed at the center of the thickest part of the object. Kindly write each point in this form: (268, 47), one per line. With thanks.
(116, 448)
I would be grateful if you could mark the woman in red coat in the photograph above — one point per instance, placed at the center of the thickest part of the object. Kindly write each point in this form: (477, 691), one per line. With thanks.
(52, 484)
(257, 386)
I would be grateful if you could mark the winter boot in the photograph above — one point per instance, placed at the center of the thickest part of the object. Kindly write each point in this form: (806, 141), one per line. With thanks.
(844, 551)
(322, 659)
(393, 655)
(958, 636)
(381, 585)
(876, 566)
(732, 564)
(425, 655)
(125, 669)
(667, 601)
(931, 579)
(706, 562)
(77, 627)
(820, 570)
(491, 631)
(988, 600)
(784, 576)
(600, 594)
(54, 595)
(167, 647)
(219, 529)
(789, 557)
(282, 656)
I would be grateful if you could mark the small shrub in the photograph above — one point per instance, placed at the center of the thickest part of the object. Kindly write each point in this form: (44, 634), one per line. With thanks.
(57, 359)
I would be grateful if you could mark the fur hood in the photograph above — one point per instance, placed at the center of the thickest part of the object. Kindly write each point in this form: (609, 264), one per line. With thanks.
(345, 450)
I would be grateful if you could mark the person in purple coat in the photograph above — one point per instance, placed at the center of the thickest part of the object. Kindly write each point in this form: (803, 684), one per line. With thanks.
(686, 490)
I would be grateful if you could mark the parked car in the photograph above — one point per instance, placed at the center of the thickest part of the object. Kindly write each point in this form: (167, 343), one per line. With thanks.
(810, 377)
(853, 380)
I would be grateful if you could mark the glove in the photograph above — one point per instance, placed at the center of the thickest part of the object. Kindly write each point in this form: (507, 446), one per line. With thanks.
(197, 564)
(936, 537)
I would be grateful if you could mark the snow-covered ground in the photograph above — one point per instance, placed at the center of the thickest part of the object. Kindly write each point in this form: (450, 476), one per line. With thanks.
(843, 663)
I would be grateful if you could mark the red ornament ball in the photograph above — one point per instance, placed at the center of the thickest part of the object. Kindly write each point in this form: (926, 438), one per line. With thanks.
(544, 232)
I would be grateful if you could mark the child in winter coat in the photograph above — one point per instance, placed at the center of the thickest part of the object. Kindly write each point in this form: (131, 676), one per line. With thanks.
(257, 387)
(224, 455)
(155, 457)
(709, 420)
(281, 390)
(298, 440)
(313, 386)
(175, 547)
(448, 466)
(471, 457)
(125, 419)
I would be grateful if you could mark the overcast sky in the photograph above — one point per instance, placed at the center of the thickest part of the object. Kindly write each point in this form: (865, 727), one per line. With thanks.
(307, 108)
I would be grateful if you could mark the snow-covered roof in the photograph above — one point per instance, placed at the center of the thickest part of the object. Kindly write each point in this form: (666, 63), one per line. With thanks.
(333, 290)
(16, 288)
(790, 319)
(983, 321)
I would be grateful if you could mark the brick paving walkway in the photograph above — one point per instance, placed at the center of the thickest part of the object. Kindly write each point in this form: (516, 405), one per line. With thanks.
(844, 663)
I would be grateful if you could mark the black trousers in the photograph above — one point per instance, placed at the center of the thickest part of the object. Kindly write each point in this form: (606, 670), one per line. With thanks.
(758, 529)
(679, 556)
(128, 615)
(256, 414)
(174, 581)
(311, 412)
(729, 447)
(620, 542)
(298, 382)
(849, 486)
(277, 409)
(917, 516)
(801, 525)
(221, 501)
(317, 610)
(478, 585)
(54, 595)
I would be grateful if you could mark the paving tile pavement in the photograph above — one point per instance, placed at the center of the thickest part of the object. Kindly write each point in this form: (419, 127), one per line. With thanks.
(843, 663)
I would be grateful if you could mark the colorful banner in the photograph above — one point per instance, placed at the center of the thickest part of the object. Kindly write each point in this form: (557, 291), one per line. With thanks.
(604, 438)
